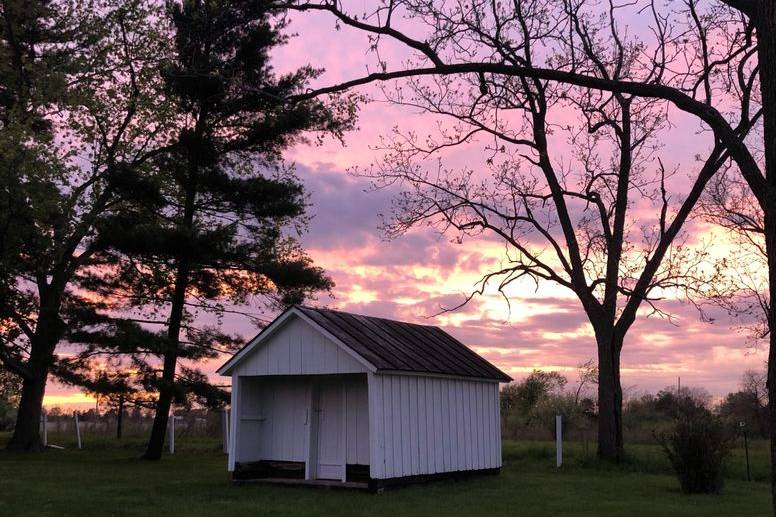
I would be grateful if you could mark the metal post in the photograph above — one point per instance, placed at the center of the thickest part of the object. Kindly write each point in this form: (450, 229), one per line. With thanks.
(225, 429)
(172, 434)
(558, 441)
(77, 429)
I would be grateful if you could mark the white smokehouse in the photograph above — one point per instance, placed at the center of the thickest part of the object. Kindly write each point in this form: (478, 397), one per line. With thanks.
(328, 395)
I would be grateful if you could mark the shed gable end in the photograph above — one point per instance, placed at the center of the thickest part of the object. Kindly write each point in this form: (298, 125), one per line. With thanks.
(297, 348)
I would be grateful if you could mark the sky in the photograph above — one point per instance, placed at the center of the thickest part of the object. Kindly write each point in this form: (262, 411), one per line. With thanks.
(413, 277)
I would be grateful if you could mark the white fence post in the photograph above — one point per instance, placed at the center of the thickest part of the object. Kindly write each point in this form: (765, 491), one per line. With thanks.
(172, 434)
(558, 441)
(77, 429)
(225, 429)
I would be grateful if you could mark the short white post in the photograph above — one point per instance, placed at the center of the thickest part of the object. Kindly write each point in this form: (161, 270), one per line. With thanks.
(225, 429)
(172, 434)
(45, 429)
(558, 441)
(77, 429)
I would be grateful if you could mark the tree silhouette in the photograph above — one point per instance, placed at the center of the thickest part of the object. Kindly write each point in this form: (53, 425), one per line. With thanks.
(78, 119)
(482, 63)
(710, 60)
(215, 228)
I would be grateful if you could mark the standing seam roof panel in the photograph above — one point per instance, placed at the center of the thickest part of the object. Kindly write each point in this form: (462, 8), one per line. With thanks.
(465, 355)
(364, 340)
(461, 354)
(444, 364)
(452, 352)
(386, 336)
(468, 354)
(429, 334)
(395, 345)
(418, 353)
(377, 360)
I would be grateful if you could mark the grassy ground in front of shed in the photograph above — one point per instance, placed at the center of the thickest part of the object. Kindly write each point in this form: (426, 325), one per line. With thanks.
(107, 478)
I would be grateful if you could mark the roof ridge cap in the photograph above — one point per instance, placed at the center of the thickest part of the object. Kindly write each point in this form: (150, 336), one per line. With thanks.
(300, 306)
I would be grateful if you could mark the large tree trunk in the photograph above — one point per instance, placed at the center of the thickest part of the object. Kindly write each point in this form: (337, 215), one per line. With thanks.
(770, 245)
(119, 416)
(765, 23)
(167, 387)
(177, 308)
(159, 428)
(610, 440)
(26, 433)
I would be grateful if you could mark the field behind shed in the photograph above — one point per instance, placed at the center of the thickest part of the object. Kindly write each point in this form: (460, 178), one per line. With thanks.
(106, 478)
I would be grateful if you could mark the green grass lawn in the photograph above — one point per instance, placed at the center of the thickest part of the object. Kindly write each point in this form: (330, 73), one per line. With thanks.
(108, 479)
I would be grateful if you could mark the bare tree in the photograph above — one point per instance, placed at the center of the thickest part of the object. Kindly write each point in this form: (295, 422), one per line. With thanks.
(712, 53)
(743, 291)
(500, 70)
(587, 374)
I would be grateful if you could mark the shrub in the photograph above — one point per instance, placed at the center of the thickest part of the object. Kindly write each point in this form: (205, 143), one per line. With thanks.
(697, 448)
(576, 414)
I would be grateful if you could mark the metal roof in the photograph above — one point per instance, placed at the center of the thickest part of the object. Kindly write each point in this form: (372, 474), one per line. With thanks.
(398, 346)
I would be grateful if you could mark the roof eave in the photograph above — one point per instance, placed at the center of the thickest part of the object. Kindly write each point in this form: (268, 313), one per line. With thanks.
(496, 378)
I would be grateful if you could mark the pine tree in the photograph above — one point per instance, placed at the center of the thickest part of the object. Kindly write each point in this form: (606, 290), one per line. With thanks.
(218, 229)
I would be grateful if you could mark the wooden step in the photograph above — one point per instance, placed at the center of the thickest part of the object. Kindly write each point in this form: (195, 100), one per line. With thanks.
(320, 483)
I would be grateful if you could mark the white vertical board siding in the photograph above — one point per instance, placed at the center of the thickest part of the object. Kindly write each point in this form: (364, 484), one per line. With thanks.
(377, 438)
(247, 431)
(272, 419)
(427, 425)
(283, 426)
(233, 450)
(298, 349)
(272, 415)
(356, 421)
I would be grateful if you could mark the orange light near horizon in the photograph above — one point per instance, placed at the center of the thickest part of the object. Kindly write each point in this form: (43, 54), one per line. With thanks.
(70, 400)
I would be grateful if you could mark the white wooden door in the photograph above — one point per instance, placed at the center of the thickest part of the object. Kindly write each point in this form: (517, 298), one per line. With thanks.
(331, 427)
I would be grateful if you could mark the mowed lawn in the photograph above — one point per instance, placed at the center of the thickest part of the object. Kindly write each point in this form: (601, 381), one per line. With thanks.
(108, 479)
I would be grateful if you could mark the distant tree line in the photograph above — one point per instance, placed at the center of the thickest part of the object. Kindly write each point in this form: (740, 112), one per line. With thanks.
(529, 406)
